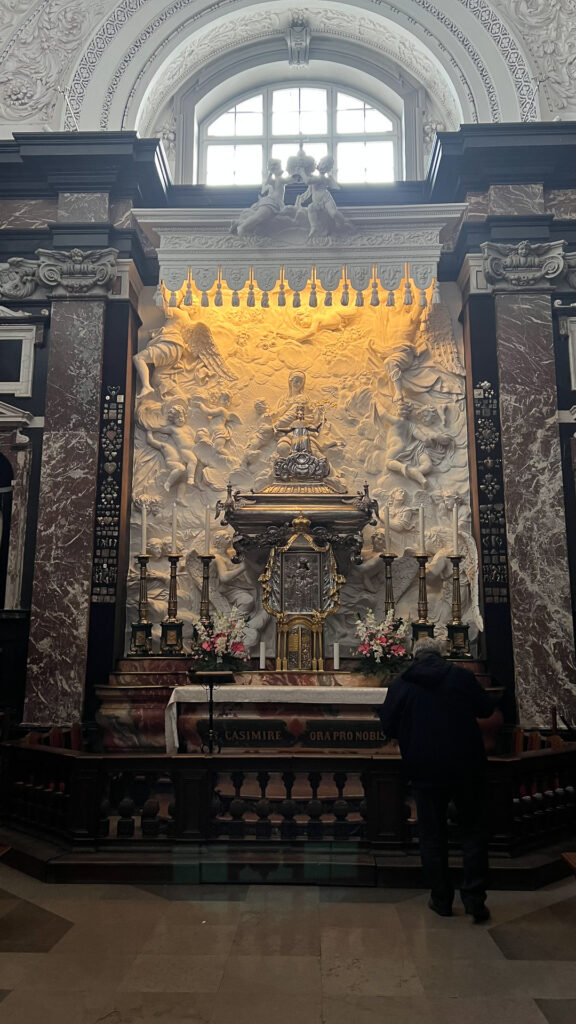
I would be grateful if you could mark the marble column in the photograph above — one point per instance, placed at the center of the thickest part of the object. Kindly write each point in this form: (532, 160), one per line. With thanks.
(542, 626)
(65, 531)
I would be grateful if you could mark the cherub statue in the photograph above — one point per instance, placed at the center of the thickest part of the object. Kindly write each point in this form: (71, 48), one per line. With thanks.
(324, 217)
(268, 212)
(415, 444)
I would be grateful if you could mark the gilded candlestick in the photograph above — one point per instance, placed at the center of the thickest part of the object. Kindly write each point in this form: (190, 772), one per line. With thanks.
(205, 593)
(171, 626)
(458, 642)
(389, 604)
(141, 639)
(422, 627)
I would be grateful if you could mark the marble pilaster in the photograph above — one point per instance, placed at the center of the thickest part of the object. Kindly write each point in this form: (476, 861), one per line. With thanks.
(83, 207)
(543, 635)
(16, 448)
(65, 533)
(518, 199)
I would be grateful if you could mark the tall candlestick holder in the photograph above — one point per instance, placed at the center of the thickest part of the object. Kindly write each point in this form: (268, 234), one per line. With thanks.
(422, 627)
(171, 626)
(141, 638)
(457, 640)
(205, 592)
(389, 604)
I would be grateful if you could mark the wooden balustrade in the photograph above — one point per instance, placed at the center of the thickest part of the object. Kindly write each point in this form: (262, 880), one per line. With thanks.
(105, 800)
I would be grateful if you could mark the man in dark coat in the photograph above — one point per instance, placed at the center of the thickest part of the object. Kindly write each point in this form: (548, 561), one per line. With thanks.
(432, 710)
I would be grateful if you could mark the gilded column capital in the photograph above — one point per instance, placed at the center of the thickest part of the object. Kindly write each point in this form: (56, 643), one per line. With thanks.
(524, 266)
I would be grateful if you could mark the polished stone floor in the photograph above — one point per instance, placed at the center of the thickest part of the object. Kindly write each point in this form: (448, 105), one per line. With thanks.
(102, 954)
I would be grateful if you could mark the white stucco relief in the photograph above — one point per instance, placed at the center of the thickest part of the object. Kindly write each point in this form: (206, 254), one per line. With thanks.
(464, 52)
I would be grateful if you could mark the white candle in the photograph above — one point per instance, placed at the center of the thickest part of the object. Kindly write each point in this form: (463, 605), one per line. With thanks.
(174, 525)
(262, 654)
(207, 532)
(387, 529)
(421, 529)
(144, 513)
(336, 656)
(455, 528)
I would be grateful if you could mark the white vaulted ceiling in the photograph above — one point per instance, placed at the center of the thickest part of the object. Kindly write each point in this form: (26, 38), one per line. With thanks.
(117, 64)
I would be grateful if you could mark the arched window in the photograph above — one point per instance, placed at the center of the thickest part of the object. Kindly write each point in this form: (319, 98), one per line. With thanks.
(237, 141)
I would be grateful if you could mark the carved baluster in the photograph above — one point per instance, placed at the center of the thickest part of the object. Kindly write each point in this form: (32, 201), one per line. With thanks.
(314, 827)
(150, 818)
(126, 825)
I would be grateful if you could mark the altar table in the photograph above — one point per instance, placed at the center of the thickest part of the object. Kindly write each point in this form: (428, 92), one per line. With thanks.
(359, 701)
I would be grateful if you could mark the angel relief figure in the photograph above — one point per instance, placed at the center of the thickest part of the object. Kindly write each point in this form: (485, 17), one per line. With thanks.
(416, 443)
(183, 355)
(418, 353)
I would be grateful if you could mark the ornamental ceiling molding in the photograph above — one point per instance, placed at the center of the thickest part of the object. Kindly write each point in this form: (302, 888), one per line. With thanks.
(38, 55)
(59, 274)
(493, 32)
(378, 34)
(548, 29)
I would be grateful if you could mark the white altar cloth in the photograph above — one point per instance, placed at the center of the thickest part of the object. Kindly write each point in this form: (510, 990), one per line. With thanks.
(264, 695)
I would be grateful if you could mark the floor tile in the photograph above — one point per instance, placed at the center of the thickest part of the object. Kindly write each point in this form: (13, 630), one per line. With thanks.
(14, 967)
(165, 973)
(508, 979)
(27, 928)
(276, 932)
(428, 1010)
(370, 976)
(198, 893)
(268, 1008)
(363, 942)
(366, 894)
(170, 937)
(464, 941)
(359, 915)
(78, 972)
(558, 1011)
(247, 976)
(548, 933)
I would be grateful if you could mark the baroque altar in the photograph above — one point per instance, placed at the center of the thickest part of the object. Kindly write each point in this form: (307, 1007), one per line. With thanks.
(300, 412)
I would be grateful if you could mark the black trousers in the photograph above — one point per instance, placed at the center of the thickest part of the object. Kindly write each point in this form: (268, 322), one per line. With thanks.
(432, 806)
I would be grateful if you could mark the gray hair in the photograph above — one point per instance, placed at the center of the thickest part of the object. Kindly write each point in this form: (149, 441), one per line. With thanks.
(427, 645)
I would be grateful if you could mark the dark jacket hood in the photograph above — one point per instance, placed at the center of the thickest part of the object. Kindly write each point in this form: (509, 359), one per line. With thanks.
(427, 671)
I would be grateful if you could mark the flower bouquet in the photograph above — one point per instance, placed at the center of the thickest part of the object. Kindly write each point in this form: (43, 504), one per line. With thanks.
(382, 644)
(218, 643)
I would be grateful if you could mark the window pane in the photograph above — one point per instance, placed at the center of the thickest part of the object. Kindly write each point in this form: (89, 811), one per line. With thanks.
(233, 165)
(282, 150)
(313, 122)
(313, 99)
(286, 123)
(349, 122)
(253, 105)
(299, 112)
(377, 122)
(223, 125)
(346, 102)
(285, 99)
(365, 162)
(248, 124)
(244, 119)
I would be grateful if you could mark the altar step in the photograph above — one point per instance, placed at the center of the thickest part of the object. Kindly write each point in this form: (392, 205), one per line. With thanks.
(170, 672)
(326, 864)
